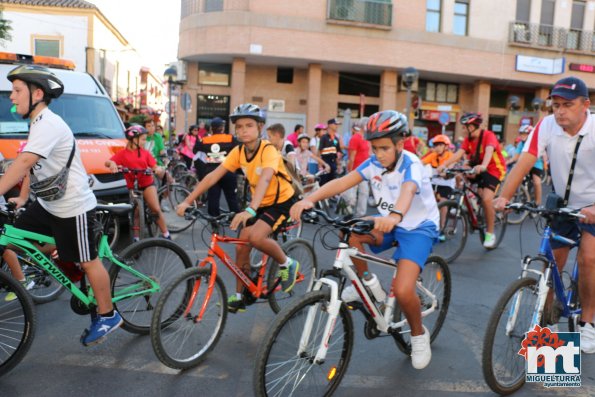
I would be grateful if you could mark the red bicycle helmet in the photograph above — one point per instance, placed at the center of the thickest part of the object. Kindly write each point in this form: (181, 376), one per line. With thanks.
(471, 118)
(386, 124)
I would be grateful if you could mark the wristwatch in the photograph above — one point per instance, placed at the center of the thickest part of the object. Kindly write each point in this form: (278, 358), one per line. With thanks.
(398, 213)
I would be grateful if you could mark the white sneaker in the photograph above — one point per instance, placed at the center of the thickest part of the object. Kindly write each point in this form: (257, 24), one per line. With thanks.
(587, 338)
(349, 294)
(421, 353)
(490, 240)
(165, 207)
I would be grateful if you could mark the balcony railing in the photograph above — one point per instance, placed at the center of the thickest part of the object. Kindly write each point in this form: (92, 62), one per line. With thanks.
(374, 12)
(537, 35)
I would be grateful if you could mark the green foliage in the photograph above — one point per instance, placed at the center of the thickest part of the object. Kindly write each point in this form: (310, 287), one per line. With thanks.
(5, 29)
(138, 119)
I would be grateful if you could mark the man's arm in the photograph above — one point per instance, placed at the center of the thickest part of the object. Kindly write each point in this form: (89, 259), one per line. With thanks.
(17, 171)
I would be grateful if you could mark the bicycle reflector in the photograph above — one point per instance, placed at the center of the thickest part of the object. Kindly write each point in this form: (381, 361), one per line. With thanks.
(439, 276)
(331, 373)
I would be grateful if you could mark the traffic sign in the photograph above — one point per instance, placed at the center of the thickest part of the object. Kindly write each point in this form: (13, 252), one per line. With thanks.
(444, 118)
(186, 101)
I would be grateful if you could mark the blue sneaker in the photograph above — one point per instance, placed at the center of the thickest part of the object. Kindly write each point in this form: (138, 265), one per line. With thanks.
(100, 328)
(288, 275)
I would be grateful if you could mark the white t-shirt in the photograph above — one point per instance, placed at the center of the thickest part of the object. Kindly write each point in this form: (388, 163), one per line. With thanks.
(51, 138)
(549, 137)
(387, 188)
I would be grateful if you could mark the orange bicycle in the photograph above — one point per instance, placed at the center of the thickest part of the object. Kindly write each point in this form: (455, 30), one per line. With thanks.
(191, 314)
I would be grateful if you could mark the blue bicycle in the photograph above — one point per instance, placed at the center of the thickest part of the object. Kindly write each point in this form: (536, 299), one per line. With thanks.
(522, 305)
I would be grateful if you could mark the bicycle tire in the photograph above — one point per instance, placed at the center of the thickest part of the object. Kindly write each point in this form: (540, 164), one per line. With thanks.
(188, 180)
(151, 223)
(178, 340)
(158, 258)
(302, 251)
(436, 278)
(18, 323)
(110, 225)
(169, 198)
(278, 351)
(454, 231)
(492, 372)
(521, 195)
(178, 169)
(46, 288)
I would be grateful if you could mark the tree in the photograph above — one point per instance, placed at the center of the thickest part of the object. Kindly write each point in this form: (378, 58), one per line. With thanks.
(5, 28)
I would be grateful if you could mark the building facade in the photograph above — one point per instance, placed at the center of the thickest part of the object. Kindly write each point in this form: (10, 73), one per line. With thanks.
(77, 30)
(312, 60)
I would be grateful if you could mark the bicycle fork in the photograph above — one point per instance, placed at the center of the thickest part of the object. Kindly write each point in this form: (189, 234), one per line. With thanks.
(333, 311)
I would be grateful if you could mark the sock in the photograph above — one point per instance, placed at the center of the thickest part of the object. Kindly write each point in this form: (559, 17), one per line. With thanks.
(135, 239)
(582, 324)
(108, 314)
(166, 234)
(286, 264)
(239, 295)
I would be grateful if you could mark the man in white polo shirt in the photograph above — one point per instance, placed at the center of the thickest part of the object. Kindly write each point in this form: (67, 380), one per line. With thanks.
(557, 135)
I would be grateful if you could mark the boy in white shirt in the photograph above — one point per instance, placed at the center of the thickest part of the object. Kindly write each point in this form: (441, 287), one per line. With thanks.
(408, 214)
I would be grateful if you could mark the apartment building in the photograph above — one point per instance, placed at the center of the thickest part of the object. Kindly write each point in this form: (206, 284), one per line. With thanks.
(310, 60)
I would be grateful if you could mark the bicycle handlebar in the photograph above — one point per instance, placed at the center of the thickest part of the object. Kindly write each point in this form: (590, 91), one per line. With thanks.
(530, 207)
(355, 225)
(453, 171)
(193, 213)
(144, 171)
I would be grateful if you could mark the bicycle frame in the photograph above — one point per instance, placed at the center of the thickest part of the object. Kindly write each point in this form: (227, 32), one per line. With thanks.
(257, 289)
(23, 239)
(383, 321)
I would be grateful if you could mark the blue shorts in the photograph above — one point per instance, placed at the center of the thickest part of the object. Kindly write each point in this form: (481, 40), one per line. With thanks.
(414, 245)
(571, 230)
(312, 168)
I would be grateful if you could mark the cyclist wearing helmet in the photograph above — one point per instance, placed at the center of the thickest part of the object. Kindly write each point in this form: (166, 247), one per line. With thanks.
(483, 150)
(136, 157)
(407, 213)
(271, 192)
(65, 208)
(537, 171)
(441, 152)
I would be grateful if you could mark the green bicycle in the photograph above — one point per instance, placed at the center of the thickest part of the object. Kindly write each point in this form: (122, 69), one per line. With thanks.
(136, 275)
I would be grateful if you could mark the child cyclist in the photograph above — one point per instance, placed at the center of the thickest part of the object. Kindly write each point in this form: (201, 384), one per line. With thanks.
(271, 192)
(134, 156)
(408, 214)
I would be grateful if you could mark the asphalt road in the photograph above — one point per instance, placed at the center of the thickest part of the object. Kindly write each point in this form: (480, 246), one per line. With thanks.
(58, 365)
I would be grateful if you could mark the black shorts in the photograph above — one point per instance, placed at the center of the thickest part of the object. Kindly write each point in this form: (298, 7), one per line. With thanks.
(443, 191)
(273, 215)
(75, 237)
(571, 230)
(485, 180)
(537, 172)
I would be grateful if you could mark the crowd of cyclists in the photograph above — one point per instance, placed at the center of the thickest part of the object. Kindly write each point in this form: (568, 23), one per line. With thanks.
(382, 160)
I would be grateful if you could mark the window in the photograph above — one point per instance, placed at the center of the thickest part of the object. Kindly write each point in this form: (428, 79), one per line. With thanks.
(578, 15)
(439, 92)
(213, 5)
(357, 83)
(285, 75)
(214, 73)
(546, 21)
(498, 99)
(523, 10)
(461, 18)
(47, 47)
(433, 13)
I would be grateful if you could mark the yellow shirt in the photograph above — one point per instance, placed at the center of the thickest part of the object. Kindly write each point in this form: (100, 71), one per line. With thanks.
(266, 156)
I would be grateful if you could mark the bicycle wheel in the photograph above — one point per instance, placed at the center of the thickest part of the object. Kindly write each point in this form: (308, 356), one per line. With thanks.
(503, 367)
(178, 170)
(151, 223)
(179, 339)
(521, 195)
(17, 323)
(301, 251)
(453, 231)
(188, 180)
(169, 198)
(161, 260)
(110, 225)
(46, 288)
(143, 232)
(282, 370)
(500, 222)
(435, 278)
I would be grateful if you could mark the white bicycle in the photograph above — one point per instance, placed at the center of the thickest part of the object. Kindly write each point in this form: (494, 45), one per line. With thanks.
(308, 346)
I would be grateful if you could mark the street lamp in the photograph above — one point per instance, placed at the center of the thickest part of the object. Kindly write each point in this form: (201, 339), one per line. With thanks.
(170, 75)
(410, 76)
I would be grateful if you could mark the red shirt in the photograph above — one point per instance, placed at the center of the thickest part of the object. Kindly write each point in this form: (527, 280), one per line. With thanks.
(131, 159)
(411, 144)
(497, 165)
(361, 147)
